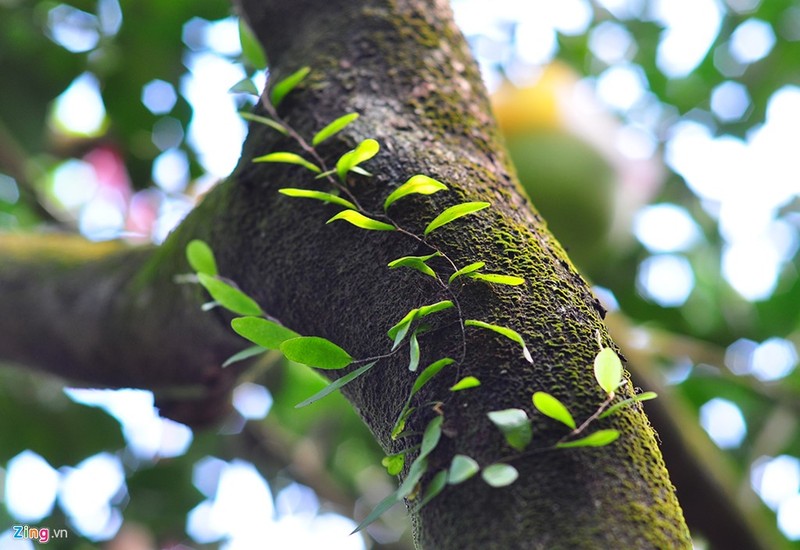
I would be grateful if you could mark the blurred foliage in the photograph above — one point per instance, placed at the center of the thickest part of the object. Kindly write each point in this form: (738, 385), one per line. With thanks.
(573, 181)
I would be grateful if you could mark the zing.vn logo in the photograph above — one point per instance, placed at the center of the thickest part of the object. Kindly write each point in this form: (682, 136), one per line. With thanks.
(38, 534)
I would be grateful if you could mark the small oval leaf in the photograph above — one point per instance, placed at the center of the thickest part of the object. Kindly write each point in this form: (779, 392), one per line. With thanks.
(497, 278)
(228, 297)
(436, 485)
(265, 121)
(282, 88)
(333, 128)
(465, 270)
(413, 346)
(285, 157)
(600, 438)
(500, 475)
(515, 426)
(552, 407)
(316, 352)
(466, 383)
(429, 372)
(433, 432)
(362, 153)
(415, 262)
(461, 469)
(455, 212)
(394, 463)
(419, 184)
(267, 334)
(608, 370)
(317, 195)
(505, 331)
(360, 220)
(424, 311)
(646, 396)
(201, 257)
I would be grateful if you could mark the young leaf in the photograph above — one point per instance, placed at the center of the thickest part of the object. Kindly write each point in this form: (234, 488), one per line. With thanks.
(461, 469)
(600, 438)
(424, 311)
(400, 329)
(429, 372)
(419, 184)
(333, 128)
(400, 423)
(360, 220)
(455, 212)
(316, 352)
(507, 332)
(335, 385)
(465, 270)
(251, 47)
(229, 297)
(415, 262)
(362, 153)
(499, 475)
(466, 383)
(436, 485)
(415, 473)
(608, 370)
(378, 511)
(318, 195)
(244, 86)
(282, 88)
(201, 258)
(413, 353)
(433, 432)
(552, 407)
(288, 158)
(246, 353)
(646, 396)
(394, 463)
(265, 121)
(265, 333)
(497, 278)
(515, 426)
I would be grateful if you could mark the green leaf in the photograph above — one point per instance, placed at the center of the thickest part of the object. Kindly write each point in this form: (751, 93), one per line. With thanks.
(466, 383)
(267, 334)
(378, 511)
(413, 353)
(455, 212)
(246, 353)
(316, 352)
(335, 385)
(419, 184)
(429, 372)
(244, 86)
(608, 370)
(424, 311)
(282, 88)
(507, 332)
(433, 432)
(646, 396)
(318, 195)
(499, 475)
(394, 463)
(265, 121)
(288, 158)
(415, 473)
(515, 426)
(415, 262)
(600, 438)
(201, 257)
(228, 297)
(497, 278)
(333, 128)
(251, 47)
(400, 423)
(466, 269)
(362, 153)
(461, 469)
(360, 220)
(436, 485)
(552, 407)
(400, 329)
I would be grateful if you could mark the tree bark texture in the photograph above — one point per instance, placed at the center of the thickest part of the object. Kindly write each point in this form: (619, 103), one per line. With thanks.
(403, 65)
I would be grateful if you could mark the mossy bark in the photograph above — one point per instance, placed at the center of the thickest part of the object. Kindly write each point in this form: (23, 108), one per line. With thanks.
(404, 66)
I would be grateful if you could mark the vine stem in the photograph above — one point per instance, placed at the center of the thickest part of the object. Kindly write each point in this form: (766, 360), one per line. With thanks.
(603, 406)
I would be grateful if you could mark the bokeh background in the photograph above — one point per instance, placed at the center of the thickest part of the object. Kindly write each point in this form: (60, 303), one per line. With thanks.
(659, 138)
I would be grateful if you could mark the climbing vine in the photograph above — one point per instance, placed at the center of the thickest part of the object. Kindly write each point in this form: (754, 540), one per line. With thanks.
(267, 333)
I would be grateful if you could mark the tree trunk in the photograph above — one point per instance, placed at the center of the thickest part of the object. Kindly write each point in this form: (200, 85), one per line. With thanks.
(403, 65)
